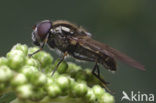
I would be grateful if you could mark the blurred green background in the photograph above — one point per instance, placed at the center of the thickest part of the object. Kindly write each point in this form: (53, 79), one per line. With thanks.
(127, 25)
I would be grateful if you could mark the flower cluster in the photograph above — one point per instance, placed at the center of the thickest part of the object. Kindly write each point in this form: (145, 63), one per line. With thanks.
(31, 81)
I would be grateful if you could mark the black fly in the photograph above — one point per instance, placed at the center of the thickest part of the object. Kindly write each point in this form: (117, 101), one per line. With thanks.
(77, 42)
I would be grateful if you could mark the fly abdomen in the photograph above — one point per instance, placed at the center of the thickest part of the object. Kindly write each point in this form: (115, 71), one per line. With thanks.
(109, 63)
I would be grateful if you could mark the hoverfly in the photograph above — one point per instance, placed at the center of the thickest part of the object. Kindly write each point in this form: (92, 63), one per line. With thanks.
(78, 43)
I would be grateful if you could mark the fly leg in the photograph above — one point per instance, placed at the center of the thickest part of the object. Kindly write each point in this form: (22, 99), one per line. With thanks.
(96, 67)
(65, 54)
(41, 46)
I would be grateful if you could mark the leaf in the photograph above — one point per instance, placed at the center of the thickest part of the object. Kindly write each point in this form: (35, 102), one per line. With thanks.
(6, 98)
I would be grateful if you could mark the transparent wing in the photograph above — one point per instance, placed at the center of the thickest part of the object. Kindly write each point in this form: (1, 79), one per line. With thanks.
(88, 42)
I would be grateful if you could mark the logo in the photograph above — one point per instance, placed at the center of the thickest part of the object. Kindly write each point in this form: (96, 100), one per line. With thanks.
(137, 96)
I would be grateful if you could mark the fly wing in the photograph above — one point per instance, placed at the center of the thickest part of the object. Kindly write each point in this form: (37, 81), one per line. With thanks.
(105, 49)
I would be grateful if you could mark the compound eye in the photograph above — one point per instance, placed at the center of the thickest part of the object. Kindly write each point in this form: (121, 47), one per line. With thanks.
(43, 28)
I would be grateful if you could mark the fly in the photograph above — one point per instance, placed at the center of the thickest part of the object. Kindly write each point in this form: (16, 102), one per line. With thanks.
(78, 43)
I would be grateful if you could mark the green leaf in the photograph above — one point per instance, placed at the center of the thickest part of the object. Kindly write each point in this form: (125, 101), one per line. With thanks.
(6, 98)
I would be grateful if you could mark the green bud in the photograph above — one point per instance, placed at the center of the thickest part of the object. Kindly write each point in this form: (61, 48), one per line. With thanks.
(33, 75)
(18, 70)
(38, 94)
(29, 71)
(15, 53)
(5, 73)
(90, 78)
(106, 98)
(39, 79)
(21, 47)
(73, 67)
(62, 68)
(63, 82)
(72, 82)
(90, 96)
(50, 81)
(24, 91)
(89, 73)
(81, 75)
(53, 90)
(48, 69)
(16, 59)
(3, 61)
(56, 74)
(18, 79)
(32, 50)
(79, 89)
(32, 62)
(98, 91)
(44, 58)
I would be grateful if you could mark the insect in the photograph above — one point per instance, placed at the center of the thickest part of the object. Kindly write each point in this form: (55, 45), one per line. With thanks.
(78, 43)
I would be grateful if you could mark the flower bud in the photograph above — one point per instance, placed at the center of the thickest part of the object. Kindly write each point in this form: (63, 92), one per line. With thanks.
(21, 47)
(29, 71)
(81, 75)
(63, 82)
(5, 73)
(39, 79)
(38, 94)
(3, 61)
(24, 91)
(53, 90)
(90, 96)
(44, 58)
(50, 81)
(106, 98)
(32, 50)
(98, 91)
(62, 68)
(73, 67)
(18, 79)
(16, 59)
(32, 62)
(79, 89)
